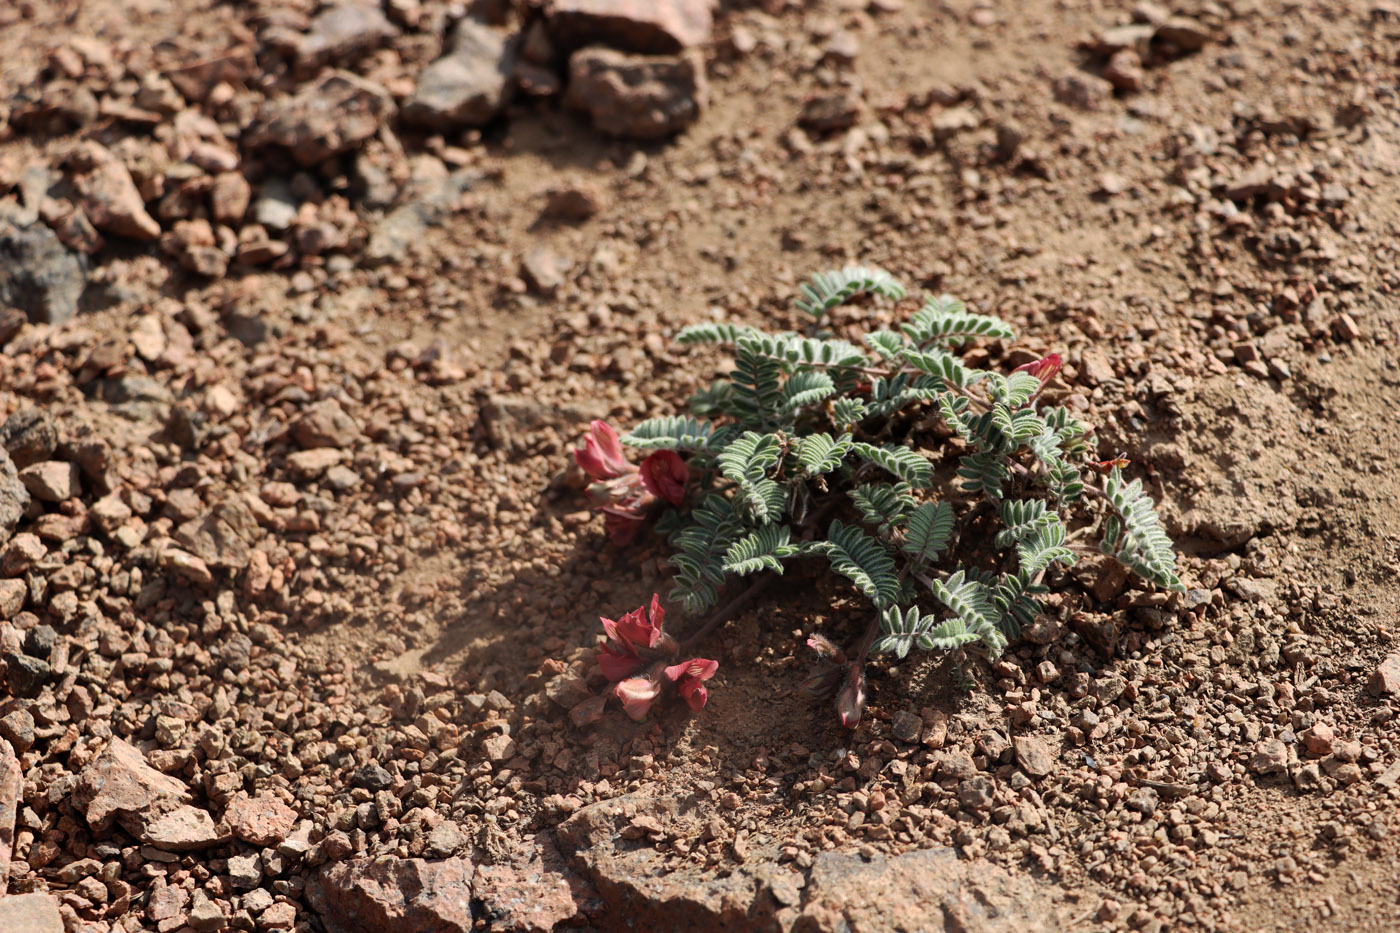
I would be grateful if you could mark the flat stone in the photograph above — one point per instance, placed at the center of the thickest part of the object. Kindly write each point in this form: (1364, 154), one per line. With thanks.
(28, 436)
(1033, 754)
(109, 196)
(469, 85)
(523, 900)
(11, 789)
(30, 913)
(651, 26)
(927, 889)
(51, 480)
(325, 424)
(263, 820)
(329, 116)
(309, 464)
(183, 829)
(38, 275)
(119, 784)
(391, 895)
(637, 96)
(342, 32)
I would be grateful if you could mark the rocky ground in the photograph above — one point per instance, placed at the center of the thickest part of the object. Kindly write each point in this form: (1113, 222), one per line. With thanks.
(303, 305)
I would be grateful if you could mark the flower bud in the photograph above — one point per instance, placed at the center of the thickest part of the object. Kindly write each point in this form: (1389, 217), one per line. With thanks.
(850, 702)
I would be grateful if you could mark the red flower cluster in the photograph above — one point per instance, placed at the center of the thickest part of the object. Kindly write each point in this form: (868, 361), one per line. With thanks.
(622, 492)
(1043, 369)
(637, 642)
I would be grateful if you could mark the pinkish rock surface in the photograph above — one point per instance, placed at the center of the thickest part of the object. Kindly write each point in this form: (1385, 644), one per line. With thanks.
(121, 785)
(262, 820)
(392, 895)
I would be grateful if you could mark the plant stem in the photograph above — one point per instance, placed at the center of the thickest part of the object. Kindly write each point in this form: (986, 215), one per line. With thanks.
(863, 650)
(725, 612)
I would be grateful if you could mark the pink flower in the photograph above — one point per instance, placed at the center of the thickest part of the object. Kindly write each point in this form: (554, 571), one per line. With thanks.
(664, 475)
(622, 523)
(1043, 369)
(622, 492)
(637, 633)
(601, 455)
(689, 677)
(637, 694)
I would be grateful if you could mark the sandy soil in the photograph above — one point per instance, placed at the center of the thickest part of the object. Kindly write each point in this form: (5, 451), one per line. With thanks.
(312, 543)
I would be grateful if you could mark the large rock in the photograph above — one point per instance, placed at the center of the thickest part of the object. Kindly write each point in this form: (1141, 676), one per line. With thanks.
(262, 820)
(183, 829)
(30, 913)
(38, 275)
(392, 895)
(29, 435)
(14, 497)
(469, 85)
(327, 117)
(11, 786)
(120, 785)
(342, 32)
(637, 96)
(109, 195)
(928, 889)
(656, 26)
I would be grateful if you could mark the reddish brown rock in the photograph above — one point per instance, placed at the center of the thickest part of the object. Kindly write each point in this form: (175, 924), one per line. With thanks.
(110, 197)
(1386, 678)
(655, 26)
(523, 900)
(309, 464)
(183, 829)
(23, 552)
(1034, 756)
(229, 197)
(11, 786)
(469, 85)
(30, 913)
(326, 118)
(325, 424)
(120, 785)
(391, 895)
(51, 480)
(922, 890)
(637, 96)
(12, 595)
(342, 32)
(263, 820)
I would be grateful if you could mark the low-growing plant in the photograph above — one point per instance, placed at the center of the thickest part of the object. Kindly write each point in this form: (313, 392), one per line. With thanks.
(942, 492)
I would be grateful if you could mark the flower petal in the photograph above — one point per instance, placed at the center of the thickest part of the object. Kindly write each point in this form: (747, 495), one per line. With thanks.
(1043, 369)
(622, 526)
(618, 664)
(664, 475)
(696, 669)
(637, 695)
(694, 693)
